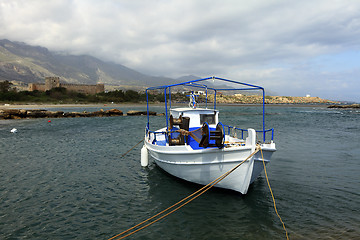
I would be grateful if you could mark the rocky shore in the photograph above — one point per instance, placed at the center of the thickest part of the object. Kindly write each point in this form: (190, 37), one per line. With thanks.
(345, 106)
(39, 113)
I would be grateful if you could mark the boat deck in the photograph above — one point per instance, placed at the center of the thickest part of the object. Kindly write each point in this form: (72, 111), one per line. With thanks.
(229, 141)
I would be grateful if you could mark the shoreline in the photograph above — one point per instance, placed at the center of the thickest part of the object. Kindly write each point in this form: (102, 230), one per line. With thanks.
(70, 105)
(6, 114)
(119, 105)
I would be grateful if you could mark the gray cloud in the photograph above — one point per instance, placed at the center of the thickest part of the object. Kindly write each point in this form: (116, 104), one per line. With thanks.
(273, 43)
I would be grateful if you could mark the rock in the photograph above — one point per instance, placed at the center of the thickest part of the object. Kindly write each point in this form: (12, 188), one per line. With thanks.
(22, 113)
(133, 113)
(12, 114)
(345, 106)
(114, 112)
(138, 113)
(8, 113)
(74, 114)
(36, 113)
(98, 114)
(55, 114)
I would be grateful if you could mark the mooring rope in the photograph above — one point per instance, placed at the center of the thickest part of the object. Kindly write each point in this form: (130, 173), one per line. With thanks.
(172, 208)
(132, 148)
(195, 195)
(272, 195)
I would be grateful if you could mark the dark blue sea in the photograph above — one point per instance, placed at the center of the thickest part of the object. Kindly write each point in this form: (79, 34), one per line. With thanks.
(66, 179)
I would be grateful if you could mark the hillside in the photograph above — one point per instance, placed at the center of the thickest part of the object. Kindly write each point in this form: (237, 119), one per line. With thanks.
(22, 62)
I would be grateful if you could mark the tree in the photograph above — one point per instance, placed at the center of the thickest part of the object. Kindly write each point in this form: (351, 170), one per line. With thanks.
(131, 96)
(5, 86)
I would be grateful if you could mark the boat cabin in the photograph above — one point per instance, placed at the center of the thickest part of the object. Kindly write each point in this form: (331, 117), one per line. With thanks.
(197, 127)
(197, 116)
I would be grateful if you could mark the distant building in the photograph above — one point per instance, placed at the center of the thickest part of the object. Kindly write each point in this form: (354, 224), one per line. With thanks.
(195, 92)
(53, 82)
(307, 95)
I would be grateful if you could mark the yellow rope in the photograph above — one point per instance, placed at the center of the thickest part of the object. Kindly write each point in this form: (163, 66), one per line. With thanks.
(166, 213)
(272, 195)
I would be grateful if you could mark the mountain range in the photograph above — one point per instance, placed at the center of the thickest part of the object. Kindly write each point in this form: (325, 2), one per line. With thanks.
(29, 64)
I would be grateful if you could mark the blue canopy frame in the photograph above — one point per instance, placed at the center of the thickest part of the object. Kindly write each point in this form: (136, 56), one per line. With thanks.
(198, 83)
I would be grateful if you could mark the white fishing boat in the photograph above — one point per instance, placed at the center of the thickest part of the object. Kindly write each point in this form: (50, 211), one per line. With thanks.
(195, 146)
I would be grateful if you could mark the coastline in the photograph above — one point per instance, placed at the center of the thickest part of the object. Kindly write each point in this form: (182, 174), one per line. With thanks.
(49, 105)
(120, 105)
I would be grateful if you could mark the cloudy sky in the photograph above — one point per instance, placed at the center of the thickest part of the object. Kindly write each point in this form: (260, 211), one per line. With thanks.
(292, 48)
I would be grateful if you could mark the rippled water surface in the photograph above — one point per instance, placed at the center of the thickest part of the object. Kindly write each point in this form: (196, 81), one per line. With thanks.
(66, 180)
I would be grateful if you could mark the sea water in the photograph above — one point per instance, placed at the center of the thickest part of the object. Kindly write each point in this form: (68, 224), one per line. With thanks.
(65, 179)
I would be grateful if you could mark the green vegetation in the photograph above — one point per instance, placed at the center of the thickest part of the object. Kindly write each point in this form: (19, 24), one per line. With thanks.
(5, 86)
(62, 95)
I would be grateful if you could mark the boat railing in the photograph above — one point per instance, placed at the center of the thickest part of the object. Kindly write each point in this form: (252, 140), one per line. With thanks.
(233, 131)
(165, 133)
(148, 132)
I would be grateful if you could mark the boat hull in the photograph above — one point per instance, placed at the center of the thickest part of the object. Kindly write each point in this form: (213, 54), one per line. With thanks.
(205, 165)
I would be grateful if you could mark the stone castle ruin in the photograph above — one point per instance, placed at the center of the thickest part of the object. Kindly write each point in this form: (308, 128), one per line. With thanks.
(53, 82)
